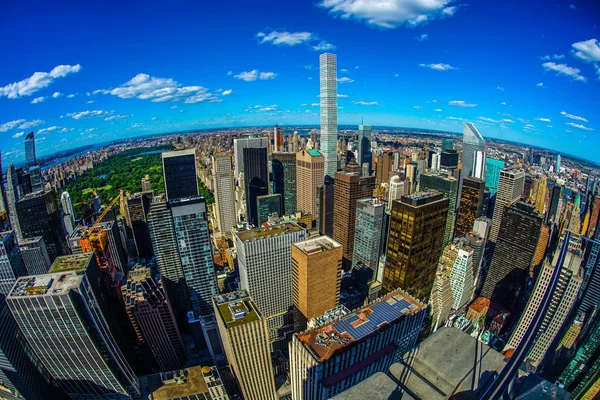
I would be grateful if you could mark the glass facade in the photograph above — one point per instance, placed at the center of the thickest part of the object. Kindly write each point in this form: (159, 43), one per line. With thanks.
(179, 169)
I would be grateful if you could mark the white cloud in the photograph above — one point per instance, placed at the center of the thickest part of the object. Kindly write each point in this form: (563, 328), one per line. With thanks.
(422, 37)
(455, 118)
(315, 105)
(31, 124)
(230, 73)
(38, 100)
(396, 75)
(137, 125)
(542, 119)
(303, 105)
(173, 107)
(508, 121)
(17, 135)
(251, 76)
(310, 78)
(541, 84)
(437, 110)
(153, 119)
(417, 107)
(323, 45)
(89, 114)
(90, 102)
(572, 7)
(227, 92)
(259, 108)
(575, 117)
(437, 67)
(344, 70)
(46, 130)
(588, 50)
(37, 81)
(70, 96)
(461, 103)
(345, 79)
(552, 57)
(117, 116)
(7, 126)
(146, 87)
(579, 126)
(564, 69)
(390, 13)
(285, 38)
(309, 67)
(486, 119)
(342, 96)
(365, 103)
(503, 103)
(56, 94)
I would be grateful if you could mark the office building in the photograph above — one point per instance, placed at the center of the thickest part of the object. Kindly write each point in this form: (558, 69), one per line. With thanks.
(557, 168)
(563, 299)
(138, 206)
(30, 157)
(267, 206)
(3, 198)
(471, 205)
(243, 330)
(472, 142)
(265, 265)
(510, 187)
(190, 221)
(109, 243)
(256, 178)
(310, 166)
(349, 186)
(442, 298)
(11, 264)
(316, 275)
(324, 206)
(447, 185)
(35, 256)
(194, 383)
(151, 315)
(238, 152)
(515, 249)
(329, 125)
(551, 215)
(146, 184)
(38, 216)
(12, 196)
(369, 232)
(449, 160)
(179, 171)
(447, 144)
(332, 357)
(363, 147)
(540, 195)
(67, 205)
(35, 178)
(277, 139)
(479, 163)
(60, 318)
(462, 275)
(224, 191)
(492, 175)
(396, 189)
(284, 180)
(415, 243)
(166, 253)
(384, 167)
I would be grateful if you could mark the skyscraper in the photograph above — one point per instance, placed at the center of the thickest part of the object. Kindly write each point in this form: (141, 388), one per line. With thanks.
(60, 318)
(384, 167)
(349, 186)
(67, 204)
(479, 164)
(12, 196)
(256, 178)
(492, 175)
(146, 184)
(238, 150)
(35, 256)
(471, 203)
(369, 233)
(461, 276)
(447, 185)
(195, 251)
(540, 196)
(266, 206)
(284, 180)
(309, 175)
(11, 264)
(472, 142)
(329, 125)
(30, 158)
(330, 358)
(415, 243)
(557, 169)
(138, 206)
(224, 190)
(277, 139)
(442, 298)
(38, 216)
(179, 171)
(324, 205)
(269, 249)
(396, 190)
(510, 187)
(245, 338)
(316, 275)
(515, 249)
(153, 319)
(164, 242)
(447, 144)
(364, 146)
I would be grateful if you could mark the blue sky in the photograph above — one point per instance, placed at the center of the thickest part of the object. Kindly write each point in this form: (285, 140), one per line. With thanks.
(82, 72)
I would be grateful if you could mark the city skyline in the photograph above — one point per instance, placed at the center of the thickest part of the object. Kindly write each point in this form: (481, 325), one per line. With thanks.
(396, 68)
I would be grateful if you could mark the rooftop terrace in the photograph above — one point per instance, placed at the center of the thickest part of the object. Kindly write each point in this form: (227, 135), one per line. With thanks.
(324, 341)
(75, 262)
(421, 198)
(236, 308)
(49, 284)
(317, 245)
(269, 231)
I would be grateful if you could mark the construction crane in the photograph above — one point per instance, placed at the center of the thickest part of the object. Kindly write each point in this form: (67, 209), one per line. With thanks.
(106, 210)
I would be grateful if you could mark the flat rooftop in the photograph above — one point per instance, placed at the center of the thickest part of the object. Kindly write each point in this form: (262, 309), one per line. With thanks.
(74, 262)
(5, 234)
(46, 285)
(269, 231)
(236, 308)
(177, 388)
(31, 241)
(177, 153)
(314, 153)
(421, 198)
(317, 245)
(324, 341)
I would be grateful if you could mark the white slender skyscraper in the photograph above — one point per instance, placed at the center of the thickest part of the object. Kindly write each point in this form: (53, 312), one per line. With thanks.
(472, 142)
(67, 204)
(329, 125)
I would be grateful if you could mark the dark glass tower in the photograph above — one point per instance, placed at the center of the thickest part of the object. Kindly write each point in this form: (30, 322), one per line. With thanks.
(471, 204)
(39, 216)
(179, 169)
(284, 180)
(138, 206)
(30, 149)
(256, 179)
(364, 146)
(325, 207)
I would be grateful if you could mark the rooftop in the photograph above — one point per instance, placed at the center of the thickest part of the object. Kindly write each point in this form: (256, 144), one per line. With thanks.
(75, 262)
(421, 198)
(317, 245)
(31, 241)
(166, 154)
(324, 341)
(5, 234)
(180, 384)
(269, 231)
(48, 284)
(236, 308)
(314, 153)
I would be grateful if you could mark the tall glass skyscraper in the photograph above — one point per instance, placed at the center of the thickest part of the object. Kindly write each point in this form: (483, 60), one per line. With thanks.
(492, 175)
(329, 126)
(364, 146)
(179, 169)
(30, 149)
(472, 142)
(256, 179)
(284, 180)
